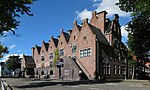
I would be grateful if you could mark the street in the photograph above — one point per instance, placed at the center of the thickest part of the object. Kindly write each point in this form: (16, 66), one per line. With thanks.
(31, 84)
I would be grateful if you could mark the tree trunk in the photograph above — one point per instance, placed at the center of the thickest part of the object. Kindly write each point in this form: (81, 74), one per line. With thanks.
(133, 72)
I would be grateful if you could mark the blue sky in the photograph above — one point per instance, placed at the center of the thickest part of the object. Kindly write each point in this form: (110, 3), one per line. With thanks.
(50, 16)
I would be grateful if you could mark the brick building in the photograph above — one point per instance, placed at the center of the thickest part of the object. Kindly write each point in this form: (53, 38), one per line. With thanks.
(92, 50)
(27, 66)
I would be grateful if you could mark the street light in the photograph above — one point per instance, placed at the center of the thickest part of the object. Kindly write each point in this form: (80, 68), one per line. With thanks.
(59, 64)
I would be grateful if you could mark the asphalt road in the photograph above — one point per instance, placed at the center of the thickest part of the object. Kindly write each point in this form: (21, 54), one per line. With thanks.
(31, 84)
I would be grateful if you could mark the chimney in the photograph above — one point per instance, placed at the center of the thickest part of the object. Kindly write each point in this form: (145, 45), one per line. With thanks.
(33, 48)
(102, 20)
(116, 17)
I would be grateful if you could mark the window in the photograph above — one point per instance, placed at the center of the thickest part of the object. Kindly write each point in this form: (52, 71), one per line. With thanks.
(105, 68)
(61, 52)
(84, 38)
(81, 53)
(119, 70)
(85, 53)
(51, 64)
(66, 72)
(108, 69)
(123, 70)
(115, 69)
(74, 49)
(42, 73)
(89, 52)
(74, 37)
(42, 58)
(51, 56)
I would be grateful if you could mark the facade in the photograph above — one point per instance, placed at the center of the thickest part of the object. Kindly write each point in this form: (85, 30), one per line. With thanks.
(89, 51)
(4, 72)
(27, 66)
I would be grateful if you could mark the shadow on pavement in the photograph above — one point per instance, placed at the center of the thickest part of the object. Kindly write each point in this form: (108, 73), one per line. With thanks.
(63, 83)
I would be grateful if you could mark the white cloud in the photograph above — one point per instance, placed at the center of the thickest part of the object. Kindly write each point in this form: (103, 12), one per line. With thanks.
(11, 47)
(111, 8)
(107, 5)
(84, 14)
(5, 58)
(96, 0)
(124, 32)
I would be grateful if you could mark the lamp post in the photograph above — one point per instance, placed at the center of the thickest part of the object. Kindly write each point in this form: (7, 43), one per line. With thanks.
(59, 64)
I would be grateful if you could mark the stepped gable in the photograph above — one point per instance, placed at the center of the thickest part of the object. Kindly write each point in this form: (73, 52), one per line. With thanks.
(100, 35)
(108, 25)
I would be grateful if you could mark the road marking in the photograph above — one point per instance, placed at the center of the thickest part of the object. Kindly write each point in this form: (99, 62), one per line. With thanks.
(112, 84)
(95, 89)
(74, 86)
(136, 85)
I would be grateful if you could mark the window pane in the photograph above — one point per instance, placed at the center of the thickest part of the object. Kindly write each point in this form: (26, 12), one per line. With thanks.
(81, 53)
(89, 52)
(61, 52)
(51, 56)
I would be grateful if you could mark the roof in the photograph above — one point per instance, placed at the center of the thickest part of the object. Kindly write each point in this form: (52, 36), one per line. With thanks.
(46, 45)
(100, 36)
(29, 59)
(66, 36)
(79, 27)
(38, 48)
(55, 41)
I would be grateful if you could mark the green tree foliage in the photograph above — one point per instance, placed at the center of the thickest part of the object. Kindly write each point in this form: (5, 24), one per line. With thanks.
(13, 62)
(10, 11)
(56, 56)
(139, 26)
(3, 50)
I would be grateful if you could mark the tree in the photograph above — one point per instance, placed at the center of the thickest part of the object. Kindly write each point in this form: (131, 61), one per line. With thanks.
(13, 62)
(56, 56)
(138, 27)
(3, 50)
(10, 11)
